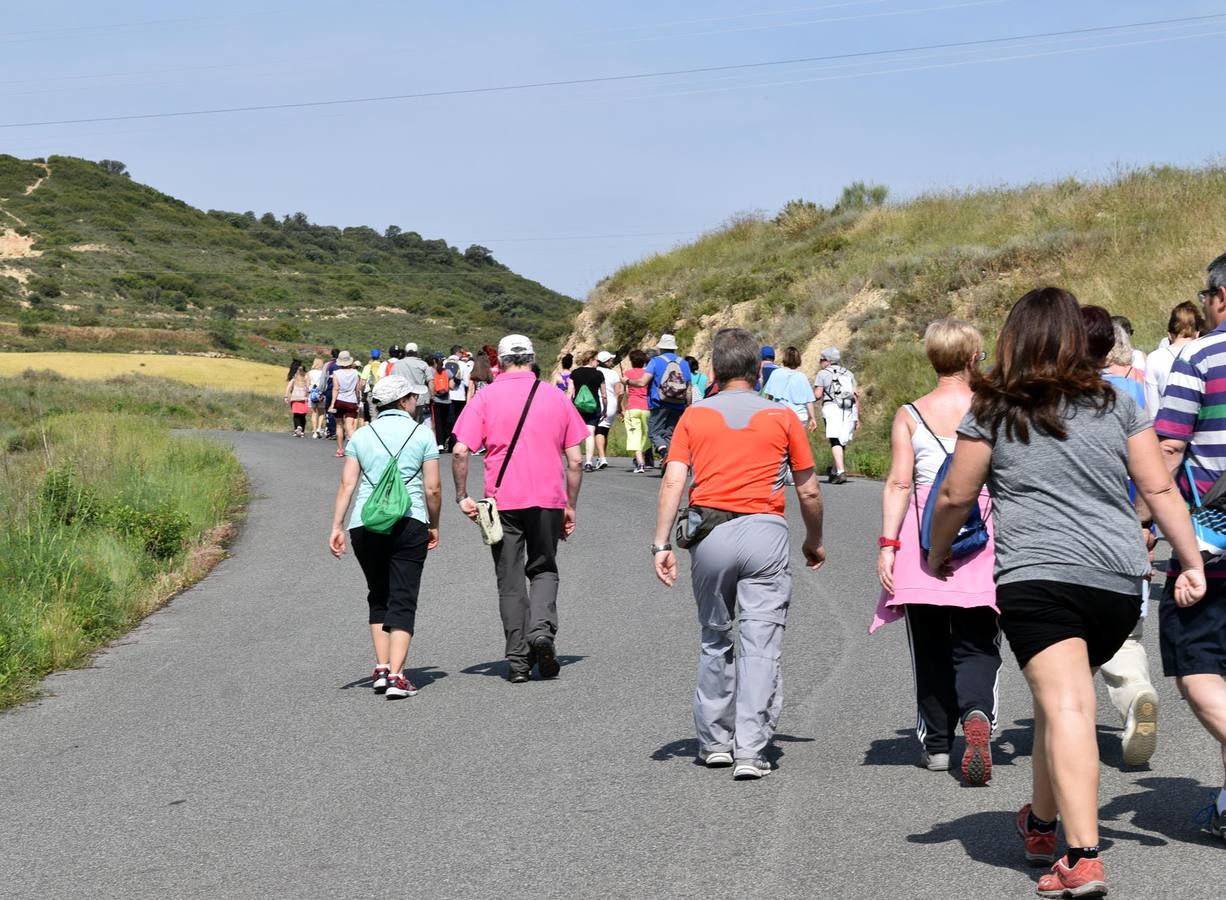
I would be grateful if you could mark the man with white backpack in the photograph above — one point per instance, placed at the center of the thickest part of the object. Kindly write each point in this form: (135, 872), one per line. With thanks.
(671, 391)
(836, 387)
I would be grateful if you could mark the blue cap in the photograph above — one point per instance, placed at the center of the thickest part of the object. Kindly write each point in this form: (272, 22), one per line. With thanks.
(768, 352)
(374, 354)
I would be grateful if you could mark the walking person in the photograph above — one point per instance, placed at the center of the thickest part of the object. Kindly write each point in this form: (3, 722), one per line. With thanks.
(586, 391)
(418, 373)
(767, 367)
(736, 446)
(1184, 326)
(697, 379)
(561, 375)
(636, 414)
(346, 399)
(393, 561)
(370, 374)
(614, 392)
(1192, 425)
(951, 622)
(668, 379)
(329, 387)
(480, 376)
(315, 396)
(786, 384)
(1126, 674)
(1054, 443)
(836, 387)
(460, 365)
(526, 430)
(440, 394)
(297, 396)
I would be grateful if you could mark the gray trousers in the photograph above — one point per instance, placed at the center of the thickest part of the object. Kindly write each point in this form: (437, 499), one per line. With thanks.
(525, 564)
(742, 577)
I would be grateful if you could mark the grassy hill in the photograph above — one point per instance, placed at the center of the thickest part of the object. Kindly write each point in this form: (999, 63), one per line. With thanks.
(868, 277)
(92, 260)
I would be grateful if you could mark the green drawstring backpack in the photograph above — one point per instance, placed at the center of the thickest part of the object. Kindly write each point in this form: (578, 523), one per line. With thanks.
(585, 401)
(389, 501)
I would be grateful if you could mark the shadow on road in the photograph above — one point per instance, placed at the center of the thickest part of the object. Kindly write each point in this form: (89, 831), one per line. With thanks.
(500, 669)
(687, 748)
(426, 675)
(1166, 806)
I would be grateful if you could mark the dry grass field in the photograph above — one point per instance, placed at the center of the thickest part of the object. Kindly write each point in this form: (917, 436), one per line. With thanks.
(220, 374)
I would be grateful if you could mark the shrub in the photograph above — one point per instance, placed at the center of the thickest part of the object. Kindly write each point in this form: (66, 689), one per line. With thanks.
(799, 216)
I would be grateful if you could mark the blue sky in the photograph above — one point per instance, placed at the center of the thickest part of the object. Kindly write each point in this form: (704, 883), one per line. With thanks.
(566, 184)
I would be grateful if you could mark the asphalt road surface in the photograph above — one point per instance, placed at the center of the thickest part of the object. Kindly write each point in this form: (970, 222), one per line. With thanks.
(229, 747)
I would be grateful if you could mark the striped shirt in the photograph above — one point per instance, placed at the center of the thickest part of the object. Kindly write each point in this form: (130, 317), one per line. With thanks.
(1194, 411)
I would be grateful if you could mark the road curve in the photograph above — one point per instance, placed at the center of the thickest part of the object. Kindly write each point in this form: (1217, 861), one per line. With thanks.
(228, 747)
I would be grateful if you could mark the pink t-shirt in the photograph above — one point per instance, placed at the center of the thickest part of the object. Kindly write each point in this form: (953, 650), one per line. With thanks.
(536, 475)
(636, 397)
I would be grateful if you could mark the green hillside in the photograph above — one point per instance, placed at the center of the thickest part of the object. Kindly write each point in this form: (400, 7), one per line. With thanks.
(868, 277)
(92, 260)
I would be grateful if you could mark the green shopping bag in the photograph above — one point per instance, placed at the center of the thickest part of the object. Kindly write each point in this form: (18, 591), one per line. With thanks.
(389, 501)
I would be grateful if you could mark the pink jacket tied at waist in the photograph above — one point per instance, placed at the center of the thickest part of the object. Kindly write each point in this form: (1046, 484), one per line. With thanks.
(971, 584)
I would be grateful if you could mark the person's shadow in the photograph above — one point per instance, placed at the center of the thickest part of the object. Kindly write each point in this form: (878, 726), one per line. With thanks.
(500, 668)
(687, 748)
(422, 677)
(1166, 805)
(903, 749)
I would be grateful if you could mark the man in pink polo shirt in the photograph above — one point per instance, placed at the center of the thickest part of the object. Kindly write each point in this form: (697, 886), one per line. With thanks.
(536, 499)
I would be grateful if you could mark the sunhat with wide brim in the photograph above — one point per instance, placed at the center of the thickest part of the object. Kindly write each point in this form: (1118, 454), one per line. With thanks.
(344, 360)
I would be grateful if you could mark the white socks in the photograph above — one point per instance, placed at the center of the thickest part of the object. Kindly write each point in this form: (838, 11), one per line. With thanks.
(1221, 801)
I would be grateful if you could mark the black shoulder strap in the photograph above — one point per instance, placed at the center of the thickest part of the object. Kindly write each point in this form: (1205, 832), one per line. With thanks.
(515, 437)
(940, 443)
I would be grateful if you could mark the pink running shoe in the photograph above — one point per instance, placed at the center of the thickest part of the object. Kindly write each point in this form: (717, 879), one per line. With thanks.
(1040, 845)
(1086, 879)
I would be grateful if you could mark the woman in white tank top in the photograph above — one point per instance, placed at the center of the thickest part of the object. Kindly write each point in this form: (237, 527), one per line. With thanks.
(951, 623)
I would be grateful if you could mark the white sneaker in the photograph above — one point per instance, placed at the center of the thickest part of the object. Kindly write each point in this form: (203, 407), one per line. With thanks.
(715, 759)
(747, 769)
(1140, 738)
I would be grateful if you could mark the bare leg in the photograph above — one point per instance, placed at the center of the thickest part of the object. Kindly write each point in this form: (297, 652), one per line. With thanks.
(341, 426)
(601, 446)
(1043, 799)
(380, 639)
(398, 641)
(1206, 694)
(588, 443)
(1063, 686)
(837, 452)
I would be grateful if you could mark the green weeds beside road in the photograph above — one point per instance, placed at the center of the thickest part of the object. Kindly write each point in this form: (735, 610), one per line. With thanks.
(107, 514)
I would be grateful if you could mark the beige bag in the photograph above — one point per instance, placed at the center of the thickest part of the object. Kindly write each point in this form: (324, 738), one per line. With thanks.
(488, 519)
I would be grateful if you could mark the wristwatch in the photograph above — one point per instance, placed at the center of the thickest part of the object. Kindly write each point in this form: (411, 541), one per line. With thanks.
(660, 548)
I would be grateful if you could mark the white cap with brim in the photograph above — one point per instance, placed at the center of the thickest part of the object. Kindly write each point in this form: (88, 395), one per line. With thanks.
(667, 342)
(393, 388)
(604, 356)
(514, 345)
(832, 354)
(410, 347)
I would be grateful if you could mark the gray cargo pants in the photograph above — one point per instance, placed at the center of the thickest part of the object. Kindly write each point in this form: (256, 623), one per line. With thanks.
(526, 567)
(741, 571)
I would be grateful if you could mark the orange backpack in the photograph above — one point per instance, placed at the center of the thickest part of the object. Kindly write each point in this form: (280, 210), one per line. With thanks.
(442, 382)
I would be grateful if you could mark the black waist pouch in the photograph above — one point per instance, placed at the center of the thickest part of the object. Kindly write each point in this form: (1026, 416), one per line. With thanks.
(695, 522)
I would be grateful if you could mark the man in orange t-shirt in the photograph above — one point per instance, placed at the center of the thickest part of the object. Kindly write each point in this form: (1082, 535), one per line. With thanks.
(739, 448)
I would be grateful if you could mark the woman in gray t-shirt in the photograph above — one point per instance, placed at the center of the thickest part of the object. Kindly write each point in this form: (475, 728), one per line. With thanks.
(1056, 445)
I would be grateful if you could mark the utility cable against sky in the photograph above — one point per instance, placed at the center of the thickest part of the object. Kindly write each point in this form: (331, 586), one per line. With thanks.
(638, 76)
(753, 15)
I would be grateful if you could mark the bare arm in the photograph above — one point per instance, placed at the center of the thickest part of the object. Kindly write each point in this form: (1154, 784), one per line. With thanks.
(897, 494)
(344, 493)
(1148, 469)
(459, 474)
(434, 497)
(811, 409)
(641, 380)
(959, 492)
(1172, 454)
(671, 488)
(809, 494)
(574, 478)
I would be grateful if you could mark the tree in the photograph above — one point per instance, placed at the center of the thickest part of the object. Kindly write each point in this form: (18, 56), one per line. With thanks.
(114, 167)
(479, 255)
(393, 232)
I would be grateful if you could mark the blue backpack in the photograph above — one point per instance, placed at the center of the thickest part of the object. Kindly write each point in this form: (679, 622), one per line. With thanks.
(973, 535)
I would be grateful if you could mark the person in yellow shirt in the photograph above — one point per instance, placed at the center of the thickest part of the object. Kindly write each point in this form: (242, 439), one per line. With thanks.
(370, 374)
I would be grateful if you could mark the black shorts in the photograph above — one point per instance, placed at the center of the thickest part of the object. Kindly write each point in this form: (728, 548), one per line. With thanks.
(1034, 615)
(591, 419)
(603, 430)
(835, 442)
(1193, 639)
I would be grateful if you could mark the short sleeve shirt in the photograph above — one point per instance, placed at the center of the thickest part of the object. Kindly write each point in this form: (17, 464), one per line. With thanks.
(656, 367)
(1060, 509)
(611, 381)
(394, 427)
(414, 370)
(535, 475)
(636, 395)
(739, 448)
(791, 387)
(592, 379)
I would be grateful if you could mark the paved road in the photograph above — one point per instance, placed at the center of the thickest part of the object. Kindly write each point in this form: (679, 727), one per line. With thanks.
(228, 748)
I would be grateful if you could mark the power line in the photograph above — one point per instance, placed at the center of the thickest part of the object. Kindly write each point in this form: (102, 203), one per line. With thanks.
(601, 79)
(777, 12)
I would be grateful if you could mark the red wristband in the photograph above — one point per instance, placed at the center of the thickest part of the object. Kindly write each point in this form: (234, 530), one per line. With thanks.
(884, 542)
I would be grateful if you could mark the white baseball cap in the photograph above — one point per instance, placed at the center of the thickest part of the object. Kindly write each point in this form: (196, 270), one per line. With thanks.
(667, 342)
(410, 347)
(514, 345)
(394, 387)
(604, 356)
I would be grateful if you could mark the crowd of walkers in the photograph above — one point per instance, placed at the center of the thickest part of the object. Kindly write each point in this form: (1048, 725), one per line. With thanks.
(1024, 500)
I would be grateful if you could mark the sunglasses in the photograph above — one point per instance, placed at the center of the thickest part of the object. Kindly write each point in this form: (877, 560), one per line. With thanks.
(1207, 294)
(981, 356)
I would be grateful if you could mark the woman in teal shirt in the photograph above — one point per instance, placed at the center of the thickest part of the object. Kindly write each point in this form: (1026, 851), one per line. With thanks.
(392, 562)
(697, 379)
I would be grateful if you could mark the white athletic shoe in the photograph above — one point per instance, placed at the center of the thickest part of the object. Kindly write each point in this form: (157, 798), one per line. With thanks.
(747, 769)
(715, 759)
(1140, 738)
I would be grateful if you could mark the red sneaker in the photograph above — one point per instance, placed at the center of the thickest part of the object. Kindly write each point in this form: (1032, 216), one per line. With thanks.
(1086, 879)
(378, 681)
(977, 760)
(1040, 845)
(398, 686)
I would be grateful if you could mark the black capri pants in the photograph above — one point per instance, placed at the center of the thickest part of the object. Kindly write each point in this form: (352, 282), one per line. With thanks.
(392, 564)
